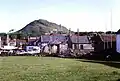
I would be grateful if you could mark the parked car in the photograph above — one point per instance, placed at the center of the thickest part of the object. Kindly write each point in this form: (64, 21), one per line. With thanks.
(33, 53)
(21, 52)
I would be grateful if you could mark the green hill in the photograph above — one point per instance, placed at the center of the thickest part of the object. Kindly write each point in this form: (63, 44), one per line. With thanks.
(39, 27)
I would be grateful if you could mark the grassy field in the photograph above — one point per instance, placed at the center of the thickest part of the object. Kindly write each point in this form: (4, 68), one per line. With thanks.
(28, 68)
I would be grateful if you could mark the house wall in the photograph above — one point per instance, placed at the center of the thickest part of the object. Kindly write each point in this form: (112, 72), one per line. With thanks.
(12, 42)
(50, 49)
(63, 48)
(82, 46)
(118, 43)
(43, 46)
(101, 46)
(98, 47)
(114, 46)
(54, 49)
(87, 46)
(0, 42)
(46, 49)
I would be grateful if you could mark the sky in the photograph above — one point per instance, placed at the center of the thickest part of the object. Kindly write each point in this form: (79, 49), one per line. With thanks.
(87, 15)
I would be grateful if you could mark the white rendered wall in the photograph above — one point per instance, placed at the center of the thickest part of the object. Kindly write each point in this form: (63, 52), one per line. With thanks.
(0, 42)
(118, 43)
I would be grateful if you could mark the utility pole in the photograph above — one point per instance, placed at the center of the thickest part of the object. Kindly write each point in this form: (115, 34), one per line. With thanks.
(8, 39)
(104, 37)
(60, 29)
(111, 27)
(78, 38)
(69, 31)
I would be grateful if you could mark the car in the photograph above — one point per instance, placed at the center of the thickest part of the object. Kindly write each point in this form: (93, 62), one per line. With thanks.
(33, 53)
(21, 52)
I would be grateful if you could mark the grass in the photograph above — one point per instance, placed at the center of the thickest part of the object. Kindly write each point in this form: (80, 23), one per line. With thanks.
(28, 68)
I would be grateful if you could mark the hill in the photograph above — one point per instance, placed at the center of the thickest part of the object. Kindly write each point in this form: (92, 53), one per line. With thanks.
(39, 27)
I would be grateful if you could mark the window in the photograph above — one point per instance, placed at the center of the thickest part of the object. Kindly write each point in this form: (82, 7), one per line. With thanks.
(75, 46)
(81, 47)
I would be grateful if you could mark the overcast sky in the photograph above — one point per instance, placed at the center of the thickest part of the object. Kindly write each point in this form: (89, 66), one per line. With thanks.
(87, 15)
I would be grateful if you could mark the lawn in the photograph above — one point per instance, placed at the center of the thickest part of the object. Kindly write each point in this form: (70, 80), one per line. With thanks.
(29, 68)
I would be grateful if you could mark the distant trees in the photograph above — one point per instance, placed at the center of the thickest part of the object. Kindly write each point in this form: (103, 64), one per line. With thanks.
(16, 35)
(87, 33)
(109, 32)
(81, 33)
(99, 32)
(3, 34)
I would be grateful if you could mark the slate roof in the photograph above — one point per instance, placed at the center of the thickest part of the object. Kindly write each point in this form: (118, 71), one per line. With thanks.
(53, 39)
(45, 38)
(31, 43)
(58, 39)
(21, 41)
(42, 39)
(79, 39)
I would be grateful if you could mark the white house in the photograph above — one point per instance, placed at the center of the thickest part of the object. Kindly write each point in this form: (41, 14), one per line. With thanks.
(118, 43)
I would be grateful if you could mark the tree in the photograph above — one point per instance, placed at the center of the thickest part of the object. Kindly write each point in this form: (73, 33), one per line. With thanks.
(2, 34)
(19, 35)
(13, 35)
(109, 32)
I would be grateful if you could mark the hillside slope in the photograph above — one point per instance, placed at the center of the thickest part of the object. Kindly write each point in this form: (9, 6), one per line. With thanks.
(38, 27)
